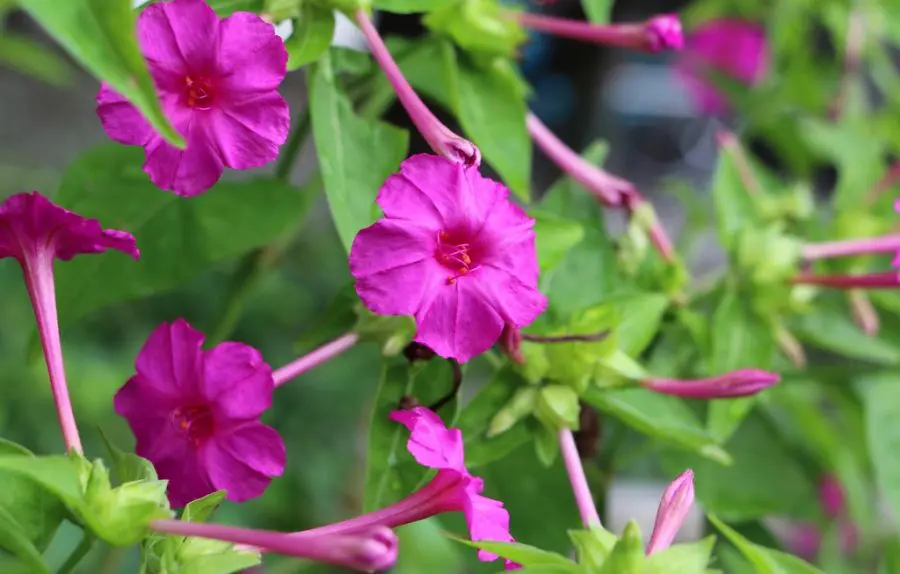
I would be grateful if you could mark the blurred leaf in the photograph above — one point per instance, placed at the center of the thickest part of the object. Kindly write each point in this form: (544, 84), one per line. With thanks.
(475, 420)
(734, 206)
(890, 558)
(228, 7)
(34, 59)
(522, 553)
(338, 317)
(593, 546)
(740, 340)
(555, 238)
(201, 509)
(424, 548)
(627, 556)
(832, 329)
(881, 400)
(665, 418)
(641, 316)
(691, 558)
(481, 27)
(101, 35)
(106, 183)
(764, 560)
(598, 11)
(342, 140)
(128, 466)
(56, 473)
(410, 6)
(765, 478)
(30, 514)
(557, 407)
(313, 31)
(14, 539)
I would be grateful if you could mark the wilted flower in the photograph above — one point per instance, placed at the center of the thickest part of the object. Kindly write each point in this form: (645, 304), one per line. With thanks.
(452, 251)
(218, 82)
(35, 231)
(195, 415)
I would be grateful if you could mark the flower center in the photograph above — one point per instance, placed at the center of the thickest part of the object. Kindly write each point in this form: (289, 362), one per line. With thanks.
(454, 253)
(198, 92)
(196, 422)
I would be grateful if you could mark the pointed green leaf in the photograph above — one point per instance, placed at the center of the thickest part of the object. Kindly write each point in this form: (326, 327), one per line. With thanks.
(522, 553)
(692, 558)
(764, 560)
(201, 509)
(313, 31)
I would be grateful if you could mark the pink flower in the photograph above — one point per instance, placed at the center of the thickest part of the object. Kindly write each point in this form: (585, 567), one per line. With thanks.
(674, 506)
(662, 32)
(35, 231)
(453, 252)
(736, 48)
(453, 489)
(734, 384)
(218, 82)
(371, 550)
(195, 415)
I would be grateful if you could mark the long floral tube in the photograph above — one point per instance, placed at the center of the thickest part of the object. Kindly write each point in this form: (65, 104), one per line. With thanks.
(884, 280)
(374, 549)
(315, 358)
(868, 245)
(583, 497)
(659, 33)
(441, 139)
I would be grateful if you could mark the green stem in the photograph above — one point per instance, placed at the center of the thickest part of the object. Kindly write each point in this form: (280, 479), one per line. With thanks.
(87, 542)
(291, 150)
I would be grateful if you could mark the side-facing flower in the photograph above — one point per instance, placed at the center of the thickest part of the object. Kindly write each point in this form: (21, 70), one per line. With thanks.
(673, 509)
(734, 384)
(453, 252)
(370, 550)
(453, 488)
(195, 415)
(736, 48)
(34, 231)
(662, 32)
(218, 83)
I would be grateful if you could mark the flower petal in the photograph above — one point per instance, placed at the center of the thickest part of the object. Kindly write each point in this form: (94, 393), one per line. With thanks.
(121, 121)
(431, 443)
(181, 34)
(402, 290)
(170, 360)
(186, 172)
(176, 460)
(237, 381)
(249, 132)
(251, 56)
(389, 244)
(519, 304)
(244, 461)
(458, 322)
(486, 518)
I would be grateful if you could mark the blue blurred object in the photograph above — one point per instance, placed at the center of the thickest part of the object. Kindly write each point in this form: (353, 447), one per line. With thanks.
(537, 54)
(554, 99)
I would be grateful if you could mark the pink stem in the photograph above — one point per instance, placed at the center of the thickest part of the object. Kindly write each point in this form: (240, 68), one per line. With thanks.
(441, 139)
(314, 359)
(883, 244)
(622, 35)
(583, 497)
(38, 272)
(885, 280)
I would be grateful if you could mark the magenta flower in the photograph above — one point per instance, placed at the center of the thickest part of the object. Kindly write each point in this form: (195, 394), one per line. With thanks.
(662, 32)
(218, 82)
(453, 489)
(195, 415)
(734, 384)
(736, 48)
(674, 506)
(35, 231)
(452, 251)
(371, 550)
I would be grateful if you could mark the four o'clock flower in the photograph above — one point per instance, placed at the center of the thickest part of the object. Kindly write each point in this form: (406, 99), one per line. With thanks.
(736, 48)
(372, 549)
(673, 509)
(35, 231)
(218, 82)
(453, 489)
(195, 415)
(439, 137)
(662, 32)
(734, 384)
(452, 251)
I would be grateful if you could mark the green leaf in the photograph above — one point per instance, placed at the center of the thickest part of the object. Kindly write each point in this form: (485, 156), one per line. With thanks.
(226, 8)
(555, 238)
(598, 11)
(14, 538)
(343, 139)
(128, 466)
(482, 27)
(410, 6)
(107, 183)
(33, 58)
(745, 489)
(100, 34)
(665, 418)
(522, 553)
(313, 31)
(764, 560)
(627, 556)
(557, 407)
(831, 328)
(692, 558)
(201, 509)
(641, 315)
(740, 339)
(58, 474)
(593, 546)
(734, 206)
(491, 110)
(882, 409)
